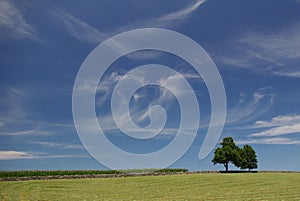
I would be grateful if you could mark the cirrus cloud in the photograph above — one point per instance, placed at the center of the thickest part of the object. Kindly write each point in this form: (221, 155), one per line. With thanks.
(13, 23)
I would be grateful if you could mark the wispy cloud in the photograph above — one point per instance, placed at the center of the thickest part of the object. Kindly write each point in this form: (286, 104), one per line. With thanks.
(18, 119)
(281, 120)
(108, 83)
(270, 131)
(14, 155)
(143, 102)
(276, 52)
(14, 117)
(275, 141)
(169, 19)
(295, 74)
(143, 55)
(17, 91)
(280, 125)
(13, 23)
(109, 127)
(82, 30)
(180, 14)
(79, 28)
(59, 145)
(11, 155)
(24, 132)
(280, 130)
(138, 114)
(250, 107)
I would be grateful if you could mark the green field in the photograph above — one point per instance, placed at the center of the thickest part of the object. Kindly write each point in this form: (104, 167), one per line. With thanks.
(246, 186)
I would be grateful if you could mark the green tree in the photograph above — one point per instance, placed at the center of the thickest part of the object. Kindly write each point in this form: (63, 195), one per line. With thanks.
(247, 158)
(228, 153)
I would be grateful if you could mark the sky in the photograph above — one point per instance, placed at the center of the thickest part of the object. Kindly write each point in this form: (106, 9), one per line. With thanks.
(255, 46)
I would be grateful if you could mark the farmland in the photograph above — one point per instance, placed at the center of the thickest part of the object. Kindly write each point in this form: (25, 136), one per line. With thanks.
(210, 186)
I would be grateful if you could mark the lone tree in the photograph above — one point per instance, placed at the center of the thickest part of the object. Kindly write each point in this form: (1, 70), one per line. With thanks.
(228, 153)
(247, 158)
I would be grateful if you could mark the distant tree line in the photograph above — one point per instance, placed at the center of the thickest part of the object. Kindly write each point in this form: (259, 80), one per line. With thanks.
(244, 158)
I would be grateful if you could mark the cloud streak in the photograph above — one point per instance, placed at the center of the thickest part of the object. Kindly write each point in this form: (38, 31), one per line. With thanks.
(274, 52)
(79, 28)
(20, 132)
(59, 145)
(181, 14)
(272, 132)
(250, 107)
(280, 125)
(14, 155)
(270, 141)
(280, 130)
(13, 23)
(11, 155)
(170, 19)
(162, 97)
(280, 120)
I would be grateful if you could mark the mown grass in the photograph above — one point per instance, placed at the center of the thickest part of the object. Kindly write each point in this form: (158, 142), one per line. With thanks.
(260, 186)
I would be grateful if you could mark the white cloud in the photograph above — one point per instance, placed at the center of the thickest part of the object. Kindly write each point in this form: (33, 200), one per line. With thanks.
(173, 18)
(274, 46)
(295, 74)
(181, 14)
(280, 125)
(79, 28)
(108, 122)
(280, 130)
(14, 155)
(275, 52)
(275, 140)
(191, 76)
(281, 120)
(17, 91)
(250, 107)
(108, 125)
(143, 55)
(163, 97)
(108, 83)
(171, 82)
(258, 96)
(10, 155)
(12, 21)
(25, 132)
(106, 86)
(59, 145)
(277, 126)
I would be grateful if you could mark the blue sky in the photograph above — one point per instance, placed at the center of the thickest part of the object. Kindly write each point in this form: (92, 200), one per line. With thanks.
(254, 44)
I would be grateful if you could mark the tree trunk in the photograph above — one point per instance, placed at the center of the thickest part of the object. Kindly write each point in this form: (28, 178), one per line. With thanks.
(226, 166)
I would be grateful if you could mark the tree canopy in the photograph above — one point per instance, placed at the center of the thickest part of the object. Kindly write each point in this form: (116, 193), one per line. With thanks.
(248, 158)
(245, 157)
(227, 154)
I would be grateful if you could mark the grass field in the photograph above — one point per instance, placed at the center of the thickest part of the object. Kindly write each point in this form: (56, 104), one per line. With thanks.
(260, 186)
